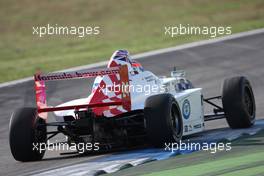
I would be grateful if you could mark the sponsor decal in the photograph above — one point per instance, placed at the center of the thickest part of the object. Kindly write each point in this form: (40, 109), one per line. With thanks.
(197, 126)
(186, 109)
(59, 76)
(186, 128)
(150, 78)
(190, 128)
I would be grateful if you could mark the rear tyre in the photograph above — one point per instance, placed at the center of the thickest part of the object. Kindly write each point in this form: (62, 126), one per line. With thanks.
(238, 102)
(26, 130)
(163, 120)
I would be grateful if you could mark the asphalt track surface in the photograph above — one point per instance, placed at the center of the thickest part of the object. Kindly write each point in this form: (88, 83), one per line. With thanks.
(206, 66)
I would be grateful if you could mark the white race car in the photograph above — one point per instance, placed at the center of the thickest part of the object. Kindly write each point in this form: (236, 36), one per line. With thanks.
(127, 106)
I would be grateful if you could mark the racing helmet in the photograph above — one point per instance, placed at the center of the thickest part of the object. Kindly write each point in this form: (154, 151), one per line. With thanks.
(122, 57)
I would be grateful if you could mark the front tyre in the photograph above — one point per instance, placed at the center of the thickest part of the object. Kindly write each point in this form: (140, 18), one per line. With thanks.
(238, 102)
(26, 131)
(163, 120)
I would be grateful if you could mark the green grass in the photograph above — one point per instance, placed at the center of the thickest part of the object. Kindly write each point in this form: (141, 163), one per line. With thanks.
(224, 165)
(134, 25)
(258, 170)
(245, 158)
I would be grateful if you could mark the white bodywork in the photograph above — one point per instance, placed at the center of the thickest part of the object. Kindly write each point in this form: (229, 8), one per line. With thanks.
(192, 124)
(144, 84)
(193, 119)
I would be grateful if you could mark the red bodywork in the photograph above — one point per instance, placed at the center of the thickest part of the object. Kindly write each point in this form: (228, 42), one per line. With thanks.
(97, 105)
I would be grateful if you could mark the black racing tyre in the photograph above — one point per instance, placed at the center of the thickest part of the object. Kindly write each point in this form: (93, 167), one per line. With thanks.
(26, 130)
(163, 120)
(238, 102)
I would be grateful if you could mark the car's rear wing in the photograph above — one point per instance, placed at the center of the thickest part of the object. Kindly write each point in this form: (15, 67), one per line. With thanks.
(40, 88)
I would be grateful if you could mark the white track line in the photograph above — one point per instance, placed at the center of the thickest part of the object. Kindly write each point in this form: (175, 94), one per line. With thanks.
(149, 53)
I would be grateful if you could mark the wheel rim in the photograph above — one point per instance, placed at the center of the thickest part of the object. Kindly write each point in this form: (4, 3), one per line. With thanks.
(175, 121)
(249, 102)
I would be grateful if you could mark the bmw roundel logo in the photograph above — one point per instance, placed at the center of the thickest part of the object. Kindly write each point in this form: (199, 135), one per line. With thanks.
(186, 109)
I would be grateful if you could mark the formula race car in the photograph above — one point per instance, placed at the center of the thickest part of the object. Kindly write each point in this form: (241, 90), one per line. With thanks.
(127, 106)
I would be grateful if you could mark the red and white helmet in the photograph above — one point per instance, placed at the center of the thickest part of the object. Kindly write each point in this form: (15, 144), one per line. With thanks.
(122, 57)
